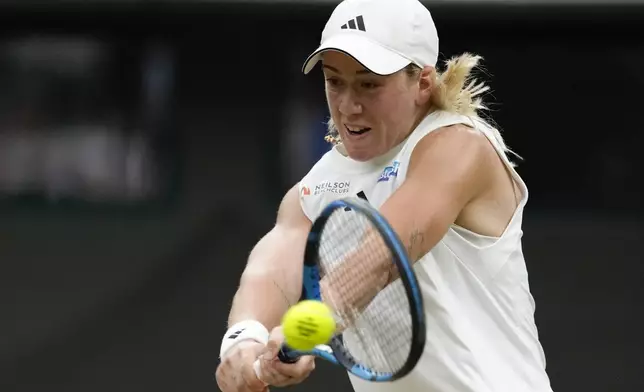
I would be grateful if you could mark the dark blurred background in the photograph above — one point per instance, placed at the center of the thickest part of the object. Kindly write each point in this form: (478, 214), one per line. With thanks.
(145, 145)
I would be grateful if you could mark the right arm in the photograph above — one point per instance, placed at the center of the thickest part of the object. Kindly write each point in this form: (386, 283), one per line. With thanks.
(272, 279)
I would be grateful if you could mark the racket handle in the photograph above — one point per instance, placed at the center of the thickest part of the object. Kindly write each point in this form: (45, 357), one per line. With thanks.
(284, 356)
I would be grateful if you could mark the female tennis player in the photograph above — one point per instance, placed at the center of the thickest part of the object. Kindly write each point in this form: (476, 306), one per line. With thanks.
(410, 140)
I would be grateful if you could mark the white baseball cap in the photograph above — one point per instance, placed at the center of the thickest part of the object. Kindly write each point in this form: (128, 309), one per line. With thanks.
(383, 35)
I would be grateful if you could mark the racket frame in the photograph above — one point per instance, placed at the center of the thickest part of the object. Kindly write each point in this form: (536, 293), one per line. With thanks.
(335, 351)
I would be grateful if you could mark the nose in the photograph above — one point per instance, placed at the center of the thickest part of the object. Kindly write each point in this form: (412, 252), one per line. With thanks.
(349, 104)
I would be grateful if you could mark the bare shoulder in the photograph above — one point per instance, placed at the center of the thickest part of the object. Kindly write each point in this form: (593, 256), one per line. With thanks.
(485, 187)
(459, 171)
(290, 212)
(453, 139)
(458, 152)
(448, 170)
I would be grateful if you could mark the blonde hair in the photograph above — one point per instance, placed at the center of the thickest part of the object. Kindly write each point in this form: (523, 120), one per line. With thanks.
(456, 90)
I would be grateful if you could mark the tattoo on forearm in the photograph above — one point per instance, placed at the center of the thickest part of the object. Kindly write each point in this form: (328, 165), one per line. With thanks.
(415, 242)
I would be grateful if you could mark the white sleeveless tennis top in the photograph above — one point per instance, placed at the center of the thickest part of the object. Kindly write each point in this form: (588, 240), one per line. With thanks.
(481, 335)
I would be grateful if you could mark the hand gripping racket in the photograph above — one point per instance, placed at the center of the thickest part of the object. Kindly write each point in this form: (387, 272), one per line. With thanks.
(356, 263)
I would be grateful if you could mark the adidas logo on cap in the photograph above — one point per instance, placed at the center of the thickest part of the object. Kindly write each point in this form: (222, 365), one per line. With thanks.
(352, 24)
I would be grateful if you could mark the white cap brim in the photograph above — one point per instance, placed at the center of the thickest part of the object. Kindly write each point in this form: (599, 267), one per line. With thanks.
(374, 57)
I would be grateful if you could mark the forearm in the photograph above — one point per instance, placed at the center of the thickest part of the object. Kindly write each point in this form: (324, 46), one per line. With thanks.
(356, 281)
(271, 282)
(272, 279)
(351, 284)
(261, 297)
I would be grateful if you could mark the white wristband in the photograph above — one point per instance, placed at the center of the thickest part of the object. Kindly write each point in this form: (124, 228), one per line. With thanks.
(243, 330)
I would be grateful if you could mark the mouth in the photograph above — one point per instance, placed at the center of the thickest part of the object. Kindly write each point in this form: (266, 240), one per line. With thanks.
(356, 131)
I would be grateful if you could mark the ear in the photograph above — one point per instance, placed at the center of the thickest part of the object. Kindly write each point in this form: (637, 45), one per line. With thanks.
(426, 83)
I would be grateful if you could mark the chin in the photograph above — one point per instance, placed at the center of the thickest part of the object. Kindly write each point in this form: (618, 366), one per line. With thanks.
(359, 154)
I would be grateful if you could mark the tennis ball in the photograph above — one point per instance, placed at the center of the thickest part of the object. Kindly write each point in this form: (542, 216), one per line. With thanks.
(307, 324)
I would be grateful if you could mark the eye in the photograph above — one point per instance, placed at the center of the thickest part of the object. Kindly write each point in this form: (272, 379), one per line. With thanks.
(333, 81)
(369, 85)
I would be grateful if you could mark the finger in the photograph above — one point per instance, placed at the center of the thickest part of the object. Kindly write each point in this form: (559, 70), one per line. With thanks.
(275, 341)
(257, 367)
(282, 380)
(221, 379)
(248, 388)
(271, 350)
(250, 378)
(277, 334)
(230, 381)
(268, 353)
(298, 370)
(222, 384)
(269, 375)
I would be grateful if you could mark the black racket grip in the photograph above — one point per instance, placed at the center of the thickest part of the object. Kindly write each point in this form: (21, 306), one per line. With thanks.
(284, 357)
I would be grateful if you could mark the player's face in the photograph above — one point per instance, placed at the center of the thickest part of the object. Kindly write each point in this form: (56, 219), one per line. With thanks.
(373, 113)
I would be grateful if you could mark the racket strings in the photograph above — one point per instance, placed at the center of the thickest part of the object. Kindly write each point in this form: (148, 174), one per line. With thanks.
(355, 264)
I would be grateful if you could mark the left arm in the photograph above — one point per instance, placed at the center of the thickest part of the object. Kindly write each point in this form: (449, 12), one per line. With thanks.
(448, 169)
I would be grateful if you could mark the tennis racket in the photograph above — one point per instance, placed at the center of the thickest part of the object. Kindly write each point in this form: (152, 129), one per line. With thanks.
(381, 332)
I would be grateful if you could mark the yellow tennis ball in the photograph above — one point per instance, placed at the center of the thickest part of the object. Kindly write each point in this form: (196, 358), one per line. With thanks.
(307, 324)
